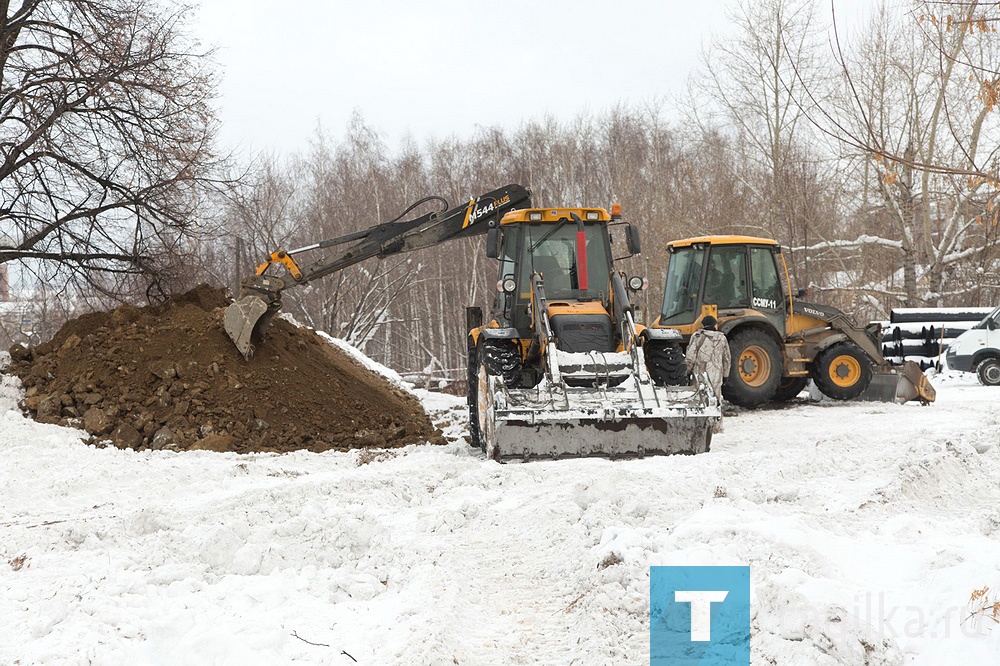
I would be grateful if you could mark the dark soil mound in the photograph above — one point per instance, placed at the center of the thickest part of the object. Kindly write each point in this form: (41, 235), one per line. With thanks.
(169, 377)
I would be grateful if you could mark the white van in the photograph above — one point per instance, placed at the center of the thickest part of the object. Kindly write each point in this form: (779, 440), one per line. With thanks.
(978, 350)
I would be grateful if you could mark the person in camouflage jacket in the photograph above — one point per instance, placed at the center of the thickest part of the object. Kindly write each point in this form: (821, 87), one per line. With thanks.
(708, 353)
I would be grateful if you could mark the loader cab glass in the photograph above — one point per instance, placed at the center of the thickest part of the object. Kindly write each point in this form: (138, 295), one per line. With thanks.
(552, 250)
(680, 297)
(728, 276)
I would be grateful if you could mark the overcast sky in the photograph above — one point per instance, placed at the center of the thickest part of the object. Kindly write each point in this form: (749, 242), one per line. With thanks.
(442, 67)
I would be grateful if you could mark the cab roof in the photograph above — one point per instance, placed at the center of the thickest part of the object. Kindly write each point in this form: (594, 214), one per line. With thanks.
(550, 215)
(721, 240)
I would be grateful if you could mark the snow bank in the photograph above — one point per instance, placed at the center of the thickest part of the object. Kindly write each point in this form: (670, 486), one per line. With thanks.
(866, 527)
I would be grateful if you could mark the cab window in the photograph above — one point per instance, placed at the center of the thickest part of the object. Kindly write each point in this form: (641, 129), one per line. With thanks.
(683, 281)
(726, 282)
(766, 284)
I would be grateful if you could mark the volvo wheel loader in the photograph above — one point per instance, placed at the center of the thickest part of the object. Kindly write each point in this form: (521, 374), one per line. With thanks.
(560, 369)
(777, 341)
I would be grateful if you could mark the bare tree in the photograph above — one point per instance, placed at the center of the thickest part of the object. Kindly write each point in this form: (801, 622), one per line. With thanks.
(914, 114)
(106, 132)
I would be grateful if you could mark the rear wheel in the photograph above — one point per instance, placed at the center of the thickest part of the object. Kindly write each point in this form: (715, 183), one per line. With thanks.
(485, 424)
(789, 387)
(755, 369)
(475, 437)
(842, 371)
(989, 372)
(665, 362)
(491, 362)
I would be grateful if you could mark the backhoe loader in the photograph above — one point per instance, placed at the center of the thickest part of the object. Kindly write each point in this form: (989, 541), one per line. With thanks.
(560, 370)
(777, 342)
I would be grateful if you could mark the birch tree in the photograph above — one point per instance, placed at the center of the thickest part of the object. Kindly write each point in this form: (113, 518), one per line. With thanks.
(917, 111)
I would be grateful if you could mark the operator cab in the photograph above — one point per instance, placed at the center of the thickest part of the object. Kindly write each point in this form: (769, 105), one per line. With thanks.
(733, 273)
(570, 248)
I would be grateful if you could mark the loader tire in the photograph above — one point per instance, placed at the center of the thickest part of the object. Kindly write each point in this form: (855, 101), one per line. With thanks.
(484, 417)
(842, 371)
(491, 358)
(755, 370)
(502, 358)
(788, 388)
(665, 362)
(988, 372)
(475, 435)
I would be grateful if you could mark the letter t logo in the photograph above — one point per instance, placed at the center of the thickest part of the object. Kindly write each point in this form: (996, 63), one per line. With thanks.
(701, 610)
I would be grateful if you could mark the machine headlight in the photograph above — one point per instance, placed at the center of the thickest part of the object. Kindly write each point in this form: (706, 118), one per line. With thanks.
(507, 286)
(636, 283)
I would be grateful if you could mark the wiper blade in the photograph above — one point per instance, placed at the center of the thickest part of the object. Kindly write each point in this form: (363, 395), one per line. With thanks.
(556, 227)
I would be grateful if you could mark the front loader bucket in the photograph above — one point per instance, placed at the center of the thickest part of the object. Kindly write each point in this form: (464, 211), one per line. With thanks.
(246, 319)
(899, 384)
(571, 422)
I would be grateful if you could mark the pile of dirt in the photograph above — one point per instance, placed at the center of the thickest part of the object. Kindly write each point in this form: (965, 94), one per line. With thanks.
(168, 377)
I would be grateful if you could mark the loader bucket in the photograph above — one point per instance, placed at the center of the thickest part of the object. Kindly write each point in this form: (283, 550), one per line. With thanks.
(899, 384)
(245, 320)
(568, 422)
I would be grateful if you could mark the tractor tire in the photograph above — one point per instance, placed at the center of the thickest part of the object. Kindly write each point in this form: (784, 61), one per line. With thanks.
(665, 362)
(842, 371)
(491, 358)
(487, 384)
(788, 388)
(755, 371)
(988, 372)
(502, 358)
(475, 435)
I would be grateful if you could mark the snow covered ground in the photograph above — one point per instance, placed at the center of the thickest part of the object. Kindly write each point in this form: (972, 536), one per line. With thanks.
(866, 527)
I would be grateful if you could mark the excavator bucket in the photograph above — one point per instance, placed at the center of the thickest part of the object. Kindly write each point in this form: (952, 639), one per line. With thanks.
(245, 320)
(632, 419)
(899, 384)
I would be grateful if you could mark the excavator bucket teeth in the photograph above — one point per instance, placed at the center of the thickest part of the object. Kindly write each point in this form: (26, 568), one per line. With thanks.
(899, 384)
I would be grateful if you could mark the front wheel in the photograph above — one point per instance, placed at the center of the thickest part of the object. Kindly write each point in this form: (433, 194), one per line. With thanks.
(988, 372)
(755, 370)
(789, 388)
(842, 371)
(665, 362)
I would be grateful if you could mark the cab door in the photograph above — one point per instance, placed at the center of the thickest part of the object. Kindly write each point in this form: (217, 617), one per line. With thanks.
(765, 285)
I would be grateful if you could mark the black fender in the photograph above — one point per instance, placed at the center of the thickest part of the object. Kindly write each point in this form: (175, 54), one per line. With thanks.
(757, 321)
(492, 333)
(983, 354)
(669, 334)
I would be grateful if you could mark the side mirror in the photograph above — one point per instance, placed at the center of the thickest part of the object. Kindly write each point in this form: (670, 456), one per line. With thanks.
(493, 243)
(991, 324)
(800, 293)
(632, 240)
